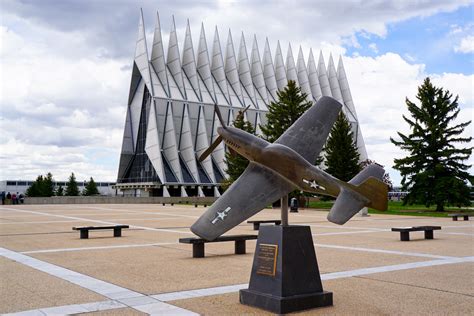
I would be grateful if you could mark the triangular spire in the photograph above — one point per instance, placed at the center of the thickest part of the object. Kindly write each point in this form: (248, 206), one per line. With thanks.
(217, 66)
(244, 69)
(202, 143)
(204, 65)
(189, 63)
(257, 71)
(170, 145)
(173, 59)
(344, 85)
(158, 56)
(141, 62)
(303, 76)
(349, 104)
(231, 71)
(323, 76)
(269, 71)
(187, 147)
(280, 72)
(333, 82)
(313, 77)
(290, 66)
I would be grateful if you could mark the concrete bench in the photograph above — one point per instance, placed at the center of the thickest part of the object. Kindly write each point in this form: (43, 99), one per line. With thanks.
(256, 224)
(455, 216)
(85, 230)
(198, 243)
(405, 231)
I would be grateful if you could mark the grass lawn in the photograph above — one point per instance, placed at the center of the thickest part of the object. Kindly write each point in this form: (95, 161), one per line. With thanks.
(397, 208)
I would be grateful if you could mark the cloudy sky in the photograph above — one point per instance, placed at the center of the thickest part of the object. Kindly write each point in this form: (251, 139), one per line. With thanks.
(65, 67)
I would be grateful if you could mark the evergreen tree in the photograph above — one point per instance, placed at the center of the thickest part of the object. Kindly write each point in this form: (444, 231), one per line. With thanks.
(71, 186)
(90, 188)
(60, 191)
(41, 187)
(433, 173)
(342, 157)
(236, 164)
(34, 190)
(282, 114)
(48, 185)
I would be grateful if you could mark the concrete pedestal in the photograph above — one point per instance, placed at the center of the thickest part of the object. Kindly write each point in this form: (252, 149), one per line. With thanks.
(285, 276)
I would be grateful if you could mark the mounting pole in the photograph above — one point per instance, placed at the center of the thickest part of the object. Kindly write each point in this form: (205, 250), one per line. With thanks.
(284, 210)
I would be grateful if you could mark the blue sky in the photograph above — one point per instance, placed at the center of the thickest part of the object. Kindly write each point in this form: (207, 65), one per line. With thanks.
(65, 67)
(428, 40)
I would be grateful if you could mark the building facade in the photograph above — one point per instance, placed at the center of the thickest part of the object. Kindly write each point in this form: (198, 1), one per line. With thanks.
(170, 118)
(20, 186)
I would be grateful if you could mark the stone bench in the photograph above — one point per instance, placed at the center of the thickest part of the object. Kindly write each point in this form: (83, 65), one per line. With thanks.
(405, 231)
(198, 243)
(256, 223)
(455, 216)
(85, 230)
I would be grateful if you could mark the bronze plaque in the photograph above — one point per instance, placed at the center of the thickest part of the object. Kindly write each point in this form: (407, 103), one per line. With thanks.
(267, 259)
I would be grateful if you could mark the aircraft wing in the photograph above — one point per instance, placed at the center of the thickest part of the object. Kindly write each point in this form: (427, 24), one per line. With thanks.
(256, 188)
(308, 134)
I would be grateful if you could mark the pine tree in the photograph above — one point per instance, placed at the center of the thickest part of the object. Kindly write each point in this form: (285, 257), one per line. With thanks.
(236, 164)
(60, 191)
(41, 187)
(342, 157)
(91, 188)
(47, 187)
(71, 186)
(433, 173)
(282, 114)
(34, 190)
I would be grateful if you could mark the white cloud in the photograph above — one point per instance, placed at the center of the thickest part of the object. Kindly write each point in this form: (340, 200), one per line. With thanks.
(374, 48)
(466, 45)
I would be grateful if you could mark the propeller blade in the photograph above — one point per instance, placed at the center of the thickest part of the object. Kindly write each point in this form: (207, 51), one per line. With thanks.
(211, 148)
(219, 115)
(241, 113)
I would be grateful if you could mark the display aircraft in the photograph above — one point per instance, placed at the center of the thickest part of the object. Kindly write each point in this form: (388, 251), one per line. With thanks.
(275, 169)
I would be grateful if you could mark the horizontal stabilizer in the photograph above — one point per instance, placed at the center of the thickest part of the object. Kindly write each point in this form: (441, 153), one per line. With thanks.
(365, 189)
(347, 204)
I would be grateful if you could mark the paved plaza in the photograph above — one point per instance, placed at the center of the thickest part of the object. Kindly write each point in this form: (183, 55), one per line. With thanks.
(45, 268)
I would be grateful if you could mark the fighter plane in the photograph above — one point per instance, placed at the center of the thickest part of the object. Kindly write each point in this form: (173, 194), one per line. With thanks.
(275, 169)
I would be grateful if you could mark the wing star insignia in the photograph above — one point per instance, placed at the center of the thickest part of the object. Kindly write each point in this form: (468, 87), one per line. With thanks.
(221, 215)
(313, 184)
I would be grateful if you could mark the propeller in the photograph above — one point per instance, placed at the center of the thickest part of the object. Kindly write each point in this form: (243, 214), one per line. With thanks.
(218, 140)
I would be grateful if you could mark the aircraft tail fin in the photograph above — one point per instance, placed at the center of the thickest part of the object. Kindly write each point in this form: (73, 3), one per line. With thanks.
(365, 189)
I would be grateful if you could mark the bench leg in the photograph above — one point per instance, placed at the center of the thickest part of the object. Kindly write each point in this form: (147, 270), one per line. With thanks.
(466, 217)
(198, 250)
(455, 218)
(84, 234)
(405, 236)
(117, 232)
(428, 234)
(256, 226)
(240, 247)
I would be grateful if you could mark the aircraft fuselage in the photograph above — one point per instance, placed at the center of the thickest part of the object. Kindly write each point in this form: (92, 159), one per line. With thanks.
(281, 159)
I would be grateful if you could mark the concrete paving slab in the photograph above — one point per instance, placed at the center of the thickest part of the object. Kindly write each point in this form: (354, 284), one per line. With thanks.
(156, 270)
(23, 288)
(353, 296)
(119, 311)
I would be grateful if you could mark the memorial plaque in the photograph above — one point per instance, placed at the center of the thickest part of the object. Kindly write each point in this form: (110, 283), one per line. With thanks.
(267, 259)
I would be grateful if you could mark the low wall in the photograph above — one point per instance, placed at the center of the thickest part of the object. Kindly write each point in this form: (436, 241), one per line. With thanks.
(118, 200)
